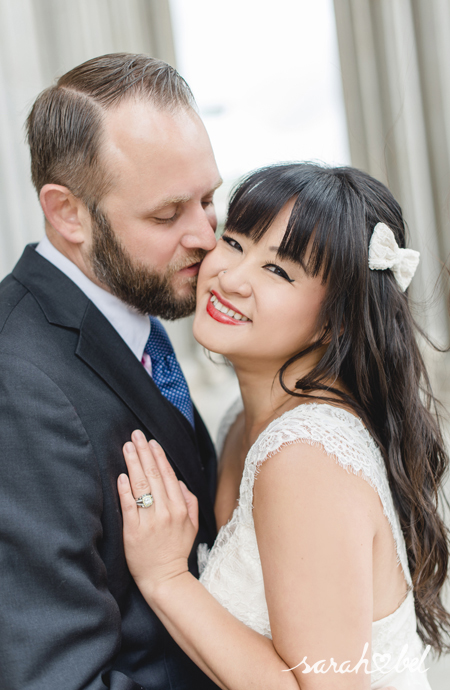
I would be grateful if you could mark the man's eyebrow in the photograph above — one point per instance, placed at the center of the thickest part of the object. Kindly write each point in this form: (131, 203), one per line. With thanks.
(169, 201)
(218, 184)
(173, 200)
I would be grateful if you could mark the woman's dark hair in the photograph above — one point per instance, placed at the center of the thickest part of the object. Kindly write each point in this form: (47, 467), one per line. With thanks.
(372, 348)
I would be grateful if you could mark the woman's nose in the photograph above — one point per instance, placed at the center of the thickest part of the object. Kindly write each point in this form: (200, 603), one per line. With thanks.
(234, 280)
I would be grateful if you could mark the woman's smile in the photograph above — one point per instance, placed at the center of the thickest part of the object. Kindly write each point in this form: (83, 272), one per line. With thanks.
(273, 301)
(223, 311)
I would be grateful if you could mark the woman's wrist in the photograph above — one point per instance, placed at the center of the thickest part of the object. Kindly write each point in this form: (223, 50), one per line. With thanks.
(160, 584)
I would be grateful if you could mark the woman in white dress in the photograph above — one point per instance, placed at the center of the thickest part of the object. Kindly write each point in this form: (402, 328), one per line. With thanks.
(331, 555)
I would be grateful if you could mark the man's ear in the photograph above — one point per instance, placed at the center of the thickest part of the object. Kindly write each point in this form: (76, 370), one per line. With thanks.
(65, 212)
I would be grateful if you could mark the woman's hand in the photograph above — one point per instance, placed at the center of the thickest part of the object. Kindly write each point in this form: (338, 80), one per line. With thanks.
(157, 539)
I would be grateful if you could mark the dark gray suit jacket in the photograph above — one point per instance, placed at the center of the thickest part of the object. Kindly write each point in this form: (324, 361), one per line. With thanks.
(71, 393)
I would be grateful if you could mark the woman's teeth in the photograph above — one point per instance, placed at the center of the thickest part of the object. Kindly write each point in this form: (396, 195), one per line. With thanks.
(229, 312)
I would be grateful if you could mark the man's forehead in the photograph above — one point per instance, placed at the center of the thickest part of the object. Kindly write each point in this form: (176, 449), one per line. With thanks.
(139, 121)
(167, 152)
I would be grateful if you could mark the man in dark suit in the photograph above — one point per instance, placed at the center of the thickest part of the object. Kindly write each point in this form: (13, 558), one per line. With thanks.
(126, 177)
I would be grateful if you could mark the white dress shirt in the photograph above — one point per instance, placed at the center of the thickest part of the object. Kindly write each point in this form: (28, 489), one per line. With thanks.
(133, 328)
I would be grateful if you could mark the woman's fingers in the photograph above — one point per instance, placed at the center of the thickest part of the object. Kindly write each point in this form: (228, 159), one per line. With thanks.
(166, 471)
(157, 541)
(127, 503)
(150, 472)
(138, 481)
(192, 504)
(145, 476)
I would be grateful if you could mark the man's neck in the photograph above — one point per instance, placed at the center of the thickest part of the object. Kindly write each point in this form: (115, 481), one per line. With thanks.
(74, 253)
(134, 328)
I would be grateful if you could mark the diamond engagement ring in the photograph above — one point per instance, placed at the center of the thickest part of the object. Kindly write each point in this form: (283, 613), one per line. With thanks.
(144, 501)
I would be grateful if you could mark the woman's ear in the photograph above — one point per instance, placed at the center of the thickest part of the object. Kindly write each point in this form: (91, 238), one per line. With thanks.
(65, 212)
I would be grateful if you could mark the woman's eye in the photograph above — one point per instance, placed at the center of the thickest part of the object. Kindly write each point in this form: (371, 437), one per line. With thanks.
(279, 272)
(229, 240)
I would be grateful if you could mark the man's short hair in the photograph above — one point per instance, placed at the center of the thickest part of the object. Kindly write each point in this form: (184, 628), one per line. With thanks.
(64, 127)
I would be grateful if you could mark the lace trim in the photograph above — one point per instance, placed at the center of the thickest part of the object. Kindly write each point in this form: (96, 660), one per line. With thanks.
(342, 436)
(232, 571)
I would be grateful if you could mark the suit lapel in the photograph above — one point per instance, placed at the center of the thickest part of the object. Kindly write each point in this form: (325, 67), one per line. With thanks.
(104, 351)
(101, 348)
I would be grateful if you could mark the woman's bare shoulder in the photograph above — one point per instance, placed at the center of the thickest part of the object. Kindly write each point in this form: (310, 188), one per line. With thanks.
(305, 473)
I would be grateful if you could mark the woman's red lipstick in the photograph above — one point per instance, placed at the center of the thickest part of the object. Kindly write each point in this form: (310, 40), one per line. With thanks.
(220, 316)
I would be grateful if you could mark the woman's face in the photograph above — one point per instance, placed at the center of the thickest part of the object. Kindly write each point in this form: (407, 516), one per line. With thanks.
(275, 304)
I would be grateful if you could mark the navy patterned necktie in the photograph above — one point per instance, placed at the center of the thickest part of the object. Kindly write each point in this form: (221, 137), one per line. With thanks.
(166, 371)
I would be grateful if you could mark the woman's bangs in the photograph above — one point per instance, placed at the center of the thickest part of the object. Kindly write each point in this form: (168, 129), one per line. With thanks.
(257, 200)
(311, 235)
(315, 234)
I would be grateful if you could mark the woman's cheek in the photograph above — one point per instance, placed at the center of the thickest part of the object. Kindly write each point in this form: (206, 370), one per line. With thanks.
(212, 264)
(204, 274)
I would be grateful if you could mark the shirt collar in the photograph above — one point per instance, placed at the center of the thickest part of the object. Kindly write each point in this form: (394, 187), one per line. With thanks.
(133, 328)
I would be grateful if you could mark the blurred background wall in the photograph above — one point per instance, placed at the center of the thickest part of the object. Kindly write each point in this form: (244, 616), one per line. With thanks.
(39, 41)
(395, 63)
(362, 82)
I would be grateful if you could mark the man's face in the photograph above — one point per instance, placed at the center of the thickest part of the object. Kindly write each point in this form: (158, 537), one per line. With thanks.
(154, 226)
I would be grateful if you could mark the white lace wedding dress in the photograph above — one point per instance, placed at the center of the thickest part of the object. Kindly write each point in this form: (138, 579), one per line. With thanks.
(231, 571)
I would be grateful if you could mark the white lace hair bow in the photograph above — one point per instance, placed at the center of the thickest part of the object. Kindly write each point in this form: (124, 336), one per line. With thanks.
(384, 253)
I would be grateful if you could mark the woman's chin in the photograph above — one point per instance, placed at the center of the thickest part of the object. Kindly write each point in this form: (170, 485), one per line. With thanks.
(206, 335)
(203, 334)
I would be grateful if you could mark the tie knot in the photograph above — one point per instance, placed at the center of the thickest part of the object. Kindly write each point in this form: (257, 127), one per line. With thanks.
(158, 344)
(166, 371)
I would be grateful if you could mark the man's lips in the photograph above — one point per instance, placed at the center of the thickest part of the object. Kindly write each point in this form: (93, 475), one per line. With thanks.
(191, 270)
(218, 315)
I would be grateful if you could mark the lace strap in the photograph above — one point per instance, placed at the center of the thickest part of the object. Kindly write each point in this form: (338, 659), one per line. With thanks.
(341, 435)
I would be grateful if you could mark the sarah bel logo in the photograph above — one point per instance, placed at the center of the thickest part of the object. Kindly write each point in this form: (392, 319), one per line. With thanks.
(381, 663)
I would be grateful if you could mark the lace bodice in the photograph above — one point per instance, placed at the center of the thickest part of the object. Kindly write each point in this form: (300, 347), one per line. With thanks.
(232, 571)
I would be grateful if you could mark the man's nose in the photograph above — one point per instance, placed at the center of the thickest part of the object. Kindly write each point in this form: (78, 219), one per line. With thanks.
(200, 231)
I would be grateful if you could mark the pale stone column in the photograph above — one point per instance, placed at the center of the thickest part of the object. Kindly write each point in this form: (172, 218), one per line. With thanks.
(40, 40)
(395, 71)
(395, 61)
(432, 28)
(20, 81)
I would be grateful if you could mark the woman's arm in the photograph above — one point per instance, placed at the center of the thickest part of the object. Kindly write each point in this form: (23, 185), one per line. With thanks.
(315, 525)
(158, 541)
(306, 546)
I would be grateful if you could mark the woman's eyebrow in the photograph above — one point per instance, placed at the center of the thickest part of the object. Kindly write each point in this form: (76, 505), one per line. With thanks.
(300, 263)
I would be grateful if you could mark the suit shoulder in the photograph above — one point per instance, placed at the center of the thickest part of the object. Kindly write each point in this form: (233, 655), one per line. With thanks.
(11, 294)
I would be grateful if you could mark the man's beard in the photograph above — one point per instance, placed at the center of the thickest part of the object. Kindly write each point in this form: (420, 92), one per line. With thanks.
(143, 288)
